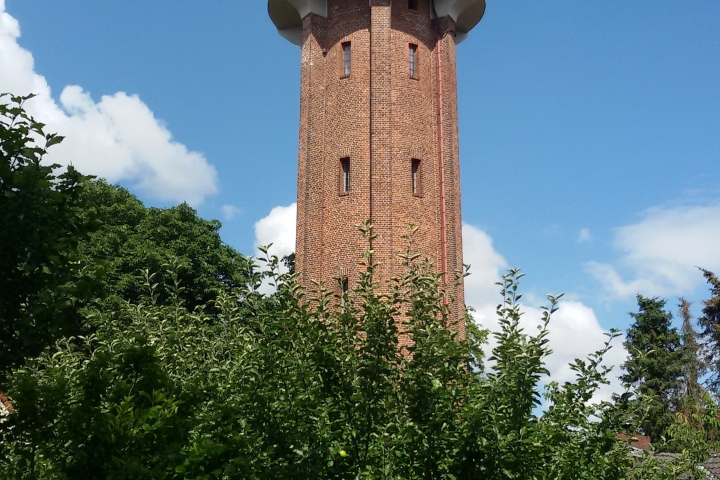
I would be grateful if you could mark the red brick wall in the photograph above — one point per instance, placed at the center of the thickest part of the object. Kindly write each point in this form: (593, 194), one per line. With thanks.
(642, 442)
(6, 403)
(381, 119)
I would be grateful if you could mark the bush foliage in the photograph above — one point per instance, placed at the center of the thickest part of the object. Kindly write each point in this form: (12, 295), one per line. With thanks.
(290, 386)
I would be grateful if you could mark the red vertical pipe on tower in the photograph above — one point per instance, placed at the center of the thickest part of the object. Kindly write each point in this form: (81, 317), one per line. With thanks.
(441, 155)
(371, 260)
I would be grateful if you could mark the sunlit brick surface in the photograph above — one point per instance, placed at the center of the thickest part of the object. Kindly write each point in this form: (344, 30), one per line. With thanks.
(381, 119)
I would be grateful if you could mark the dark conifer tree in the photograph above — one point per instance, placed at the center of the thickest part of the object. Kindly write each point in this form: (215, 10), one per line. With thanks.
(710, 329)
(693, 363)
(654, 367)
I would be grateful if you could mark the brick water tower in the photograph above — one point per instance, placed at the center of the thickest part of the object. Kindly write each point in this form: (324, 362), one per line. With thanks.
(378, 133)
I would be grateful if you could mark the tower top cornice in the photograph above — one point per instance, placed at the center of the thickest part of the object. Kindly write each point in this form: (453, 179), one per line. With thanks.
(287, 15)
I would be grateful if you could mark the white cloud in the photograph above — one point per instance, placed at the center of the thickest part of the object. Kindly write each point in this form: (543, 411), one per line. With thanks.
(585, 236)
(231, 211)
(278, 228)
(574, 329)
(486, 268)
(117, 138)
(659, 254)
(574, 333)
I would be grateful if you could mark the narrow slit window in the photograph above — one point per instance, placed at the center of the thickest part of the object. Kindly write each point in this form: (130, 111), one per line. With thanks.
(345, 175)
(344, 287)
(347, 57)
(412, 60)
(415, 176)
(412, 4)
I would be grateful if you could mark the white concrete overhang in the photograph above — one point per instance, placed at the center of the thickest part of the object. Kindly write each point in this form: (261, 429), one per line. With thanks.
(466, 13)
(287, 15)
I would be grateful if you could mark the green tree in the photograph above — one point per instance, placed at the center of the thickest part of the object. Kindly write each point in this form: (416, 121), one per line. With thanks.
(69, 241)
(132, 238)
(654, 365)
(710, 329)
(693, 364)
(41, 228)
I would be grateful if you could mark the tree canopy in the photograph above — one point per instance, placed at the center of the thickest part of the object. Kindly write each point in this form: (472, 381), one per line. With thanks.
(70, 241)
(132, 239)
(41, 229)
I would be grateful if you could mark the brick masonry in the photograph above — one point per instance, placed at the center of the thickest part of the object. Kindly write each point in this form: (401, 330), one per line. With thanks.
(5, 405)
(381, 118)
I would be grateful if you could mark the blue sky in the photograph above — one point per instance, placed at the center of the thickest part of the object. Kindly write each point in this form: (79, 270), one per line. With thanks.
(590, 133)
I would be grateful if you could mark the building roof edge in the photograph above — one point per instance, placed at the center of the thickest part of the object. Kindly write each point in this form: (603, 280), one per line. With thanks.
(287, 15)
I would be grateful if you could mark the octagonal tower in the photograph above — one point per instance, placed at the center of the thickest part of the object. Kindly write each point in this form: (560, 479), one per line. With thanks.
(378, 133)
